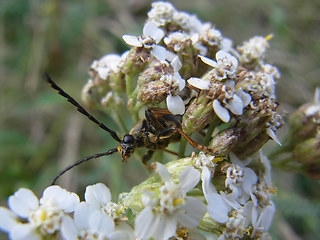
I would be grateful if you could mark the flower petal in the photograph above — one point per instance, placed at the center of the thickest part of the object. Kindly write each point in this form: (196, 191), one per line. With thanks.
(194, 212)
(199, 83)
(235, 105)
(162, 171)
(175, 104)
(181, 82)
(146, 223)
(65, 200)
(207, 187)
(97, 195)
(81, 214)
(68, 229)
(208, 61)
(24, 231)
(221, 112)
(159, 53)
(132, 40)
(250, 178)
(271, 134)
(22, 202)
(119, 235)
(153, 31)
(189, 178)
(217, 208)
(8, 219)
(101, 223)
(176, 64)
(245, 97)
(266, 216)
(165, 228)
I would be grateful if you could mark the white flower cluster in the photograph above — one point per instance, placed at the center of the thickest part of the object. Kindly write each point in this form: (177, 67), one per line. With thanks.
(246, 201)
(171, 208)
(60, 212)
(178, 61)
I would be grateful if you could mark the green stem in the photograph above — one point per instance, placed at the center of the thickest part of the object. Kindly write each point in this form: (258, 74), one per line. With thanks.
(182, 148)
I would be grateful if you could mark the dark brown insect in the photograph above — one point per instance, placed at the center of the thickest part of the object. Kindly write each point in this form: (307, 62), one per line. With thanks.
(155, 132)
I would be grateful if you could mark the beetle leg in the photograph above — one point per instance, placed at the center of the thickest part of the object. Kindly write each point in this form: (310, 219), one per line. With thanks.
(146, 157)
(168, 132)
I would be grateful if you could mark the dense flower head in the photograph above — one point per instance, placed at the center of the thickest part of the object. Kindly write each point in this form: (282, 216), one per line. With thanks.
(203, 85)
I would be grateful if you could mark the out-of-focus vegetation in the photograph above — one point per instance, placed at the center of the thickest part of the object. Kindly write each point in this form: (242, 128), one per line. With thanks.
(40, 133)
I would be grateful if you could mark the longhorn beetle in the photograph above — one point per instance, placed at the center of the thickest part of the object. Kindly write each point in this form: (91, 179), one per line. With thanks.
(155, 132)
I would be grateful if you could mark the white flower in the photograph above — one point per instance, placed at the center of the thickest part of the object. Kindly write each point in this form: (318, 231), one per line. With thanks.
(99, 197)
(159, 218)
(239, 180)
(225, 67)
(235, 101)
(254, 49)
(152, 35)
(177, 39)
(105, 65)
(89, 223)
(161, 13)
(40, 219)
(175, 103)
(204, 160)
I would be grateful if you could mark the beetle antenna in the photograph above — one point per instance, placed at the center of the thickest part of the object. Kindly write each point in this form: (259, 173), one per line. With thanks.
(80, 108)
(97, 155)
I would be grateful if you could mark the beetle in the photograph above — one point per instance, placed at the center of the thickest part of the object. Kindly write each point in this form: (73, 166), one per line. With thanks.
(155, 132)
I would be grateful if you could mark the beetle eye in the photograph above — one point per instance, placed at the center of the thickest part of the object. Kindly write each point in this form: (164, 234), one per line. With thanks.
(128, 139)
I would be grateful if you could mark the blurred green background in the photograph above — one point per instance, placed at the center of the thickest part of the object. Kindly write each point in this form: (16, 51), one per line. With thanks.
(40, 133)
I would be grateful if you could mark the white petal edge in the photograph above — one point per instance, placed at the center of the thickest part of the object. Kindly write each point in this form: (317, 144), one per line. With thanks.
(217, 208)
(64, 199)
(24, 231)
(8, 219)
(145, 223)
(193, 214)
(199, 83)
(250, 178)
(165, 228)
(176, 63)
(189, 178)
(153, 31)
(81, 214)
(97, 194)
(207, 187)
(208, 61)
(235, 105)
(245, 97)
(101, 223)
(22, 202)
(175, 104)
(132, 40)
(220, 111)
(271, 134)
(159, 53)
(69, 230)
(162, 171)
